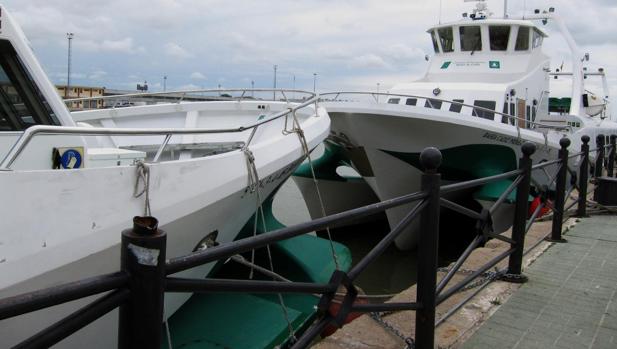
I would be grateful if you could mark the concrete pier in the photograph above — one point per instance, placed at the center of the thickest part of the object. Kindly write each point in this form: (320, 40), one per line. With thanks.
(570, 300)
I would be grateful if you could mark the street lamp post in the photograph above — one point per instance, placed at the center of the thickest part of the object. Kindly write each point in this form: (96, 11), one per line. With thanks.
(274, 93)
(314, 82)
(164, 83)
(378, 84)
(252, 88)
(69, 36)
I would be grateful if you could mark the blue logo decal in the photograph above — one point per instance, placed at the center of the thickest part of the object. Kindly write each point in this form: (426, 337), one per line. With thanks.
(71, 158)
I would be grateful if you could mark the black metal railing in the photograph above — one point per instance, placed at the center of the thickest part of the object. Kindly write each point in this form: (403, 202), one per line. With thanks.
(139, 288)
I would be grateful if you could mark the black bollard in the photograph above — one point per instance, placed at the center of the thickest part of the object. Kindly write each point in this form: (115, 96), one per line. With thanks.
(599, 167)
(515, 262)
(430, 159)
(583, 178)
(560, 193)
(143, 258)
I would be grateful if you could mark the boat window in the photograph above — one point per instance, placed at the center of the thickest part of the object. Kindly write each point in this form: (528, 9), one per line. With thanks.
(447, 39)
(432, 103)
(504, 118)
(471, 40)
(483, 113)
(513, 113)
(411, 101)
(394, 100)
(522, 40)
(537, 38)
(456, 107)
(499, 34)
(434, 39)
(21, 102)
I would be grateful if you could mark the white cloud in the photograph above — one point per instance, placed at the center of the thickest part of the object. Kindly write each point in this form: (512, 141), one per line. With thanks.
(197, 76)
(368, 61)
(176, 51)
(96, 75)
(125, 45)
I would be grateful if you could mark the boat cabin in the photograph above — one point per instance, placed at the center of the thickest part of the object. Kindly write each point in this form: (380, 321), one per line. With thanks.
(487, 36)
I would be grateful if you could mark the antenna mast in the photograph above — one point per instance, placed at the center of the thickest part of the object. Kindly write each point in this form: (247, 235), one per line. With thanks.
(505, 8)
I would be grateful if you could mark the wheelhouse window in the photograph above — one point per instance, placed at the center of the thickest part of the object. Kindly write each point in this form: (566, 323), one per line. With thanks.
(21, 103)
(447, 39)
(485, 114)
(434, 40)
(411, 101)
(537, 38)
(394, 100)
(522, 40)
(471, 39)
(457, 106)
(433, 103)
(499, 35)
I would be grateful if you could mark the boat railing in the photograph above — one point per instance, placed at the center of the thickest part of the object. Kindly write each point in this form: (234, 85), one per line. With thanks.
(201, 95)
(140, 286)
(512, 120)
(38, 130)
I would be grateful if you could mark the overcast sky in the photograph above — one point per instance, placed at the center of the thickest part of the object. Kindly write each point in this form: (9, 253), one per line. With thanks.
(350, 44)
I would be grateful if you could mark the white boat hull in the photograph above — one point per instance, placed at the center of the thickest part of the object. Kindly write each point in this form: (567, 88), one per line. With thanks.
(392, 137)
(72, 229)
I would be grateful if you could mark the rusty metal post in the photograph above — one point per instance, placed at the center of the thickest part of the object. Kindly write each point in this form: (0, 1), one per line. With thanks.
(430, 159)
(143, 258)
(560, 193)
(515, 262)
(583, 178)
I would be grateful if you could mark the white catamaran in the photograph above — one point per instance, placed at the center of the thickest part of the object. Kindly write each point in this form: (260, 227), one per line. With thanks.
(69, 189)
(485, 93)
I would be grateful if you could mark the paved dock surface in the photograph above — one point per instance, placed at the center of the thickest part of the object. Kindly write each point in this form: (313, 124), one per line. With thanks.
(570, 300)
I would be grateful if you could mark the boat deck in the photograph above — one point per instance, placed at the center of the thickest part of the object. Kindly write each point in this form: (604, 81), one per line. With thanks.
(570, 300)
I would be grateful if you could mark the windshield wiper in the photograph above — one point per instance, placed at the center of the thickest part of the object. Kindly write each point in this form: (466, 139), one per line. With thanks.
(476, 45)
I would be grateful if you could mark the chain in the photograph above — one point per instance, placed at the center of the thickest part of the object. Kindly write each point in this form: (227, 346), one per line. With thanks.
(409, 342)
(487, 276)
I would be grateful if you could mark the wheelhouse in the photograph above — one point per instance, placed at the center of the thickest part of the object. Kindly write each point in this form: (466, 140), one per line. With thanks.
(488, 36)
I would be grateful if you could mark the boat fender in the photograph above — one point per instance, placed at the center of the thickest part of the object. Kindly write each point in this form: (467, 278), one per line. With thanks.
(335, 307)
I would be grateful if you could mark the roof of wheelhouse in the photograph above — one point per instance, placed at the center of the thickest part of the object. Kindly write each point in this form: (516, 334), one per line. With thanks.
(489, 21)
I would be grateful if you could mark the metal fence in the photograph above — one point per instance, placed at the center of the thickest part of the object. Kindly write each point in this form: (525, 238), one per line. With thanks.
(139, 287)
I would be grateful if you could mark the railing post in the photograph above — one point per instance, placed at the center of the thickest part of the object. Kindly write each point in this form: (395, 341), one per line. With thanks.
(599, 156)
(515, 262)
(583, 176)
(430, 159)
(611, 157)
(143, 258)
(560, 192)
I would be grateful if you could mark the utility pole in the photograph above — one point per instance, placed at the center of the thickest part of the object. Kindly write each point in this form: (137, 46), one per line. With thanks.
(69, 36)
(314, 82)
(164, 83)
(274, 92)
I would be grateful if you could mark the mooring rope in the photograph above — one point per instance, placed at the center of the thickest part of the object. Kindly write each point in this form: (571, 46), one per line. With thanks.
(253, 187)
(143, 175)
(297, 129)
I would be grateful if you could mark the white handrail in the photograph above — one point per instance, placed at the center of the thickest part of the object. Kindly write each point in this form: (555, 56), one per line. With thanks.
(430, 99)
(33, 131)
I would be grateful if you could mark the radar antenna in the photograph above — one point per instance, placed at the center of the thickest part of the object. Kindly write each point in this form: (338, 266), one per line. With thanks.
(481, 11)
